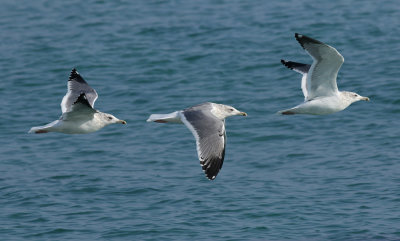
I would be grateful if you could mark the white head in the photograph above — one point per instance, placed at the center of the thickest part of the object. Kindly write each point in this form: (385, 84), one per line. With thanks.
(353, 97)
(223, 111)
(110, 119)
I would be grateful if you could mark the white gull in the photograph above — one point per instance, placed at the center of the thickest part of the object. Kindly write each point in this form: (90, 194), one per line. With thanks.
(321, 94)
(78, 115)
(207, 123)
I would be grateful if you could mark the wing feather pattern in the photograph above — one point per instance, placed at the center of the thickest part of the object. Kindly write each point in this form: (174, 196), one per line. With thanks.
(321, 78)
(302, 69)
(209, 132)
(76, 87)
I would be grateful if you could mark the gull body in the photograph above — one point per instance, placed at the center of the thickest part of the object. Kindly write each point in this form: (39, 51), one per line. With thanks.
(207, 124)
(325, 105)
(78, 115)
(321, 94)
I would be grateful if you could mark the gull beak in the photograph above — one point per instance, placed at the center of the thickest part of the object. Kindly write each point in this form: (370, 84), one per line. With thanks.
(122, 122)
(365, 98)
(243, 113)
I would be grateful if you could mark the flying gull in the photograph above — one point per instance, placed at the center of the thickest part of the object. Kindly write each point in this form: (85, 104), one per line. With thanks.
(321, 94)
(207, 123)
(78, 115)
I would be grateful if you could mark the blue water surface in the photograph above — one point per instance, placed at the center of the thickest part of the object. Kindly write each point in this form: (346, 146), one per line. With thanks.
(334, 177)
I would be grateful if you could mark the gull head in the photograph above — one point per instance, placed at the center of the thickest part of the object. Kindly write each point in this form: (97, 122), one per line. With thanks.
(223, 111)
(110, 119)
(354, 97)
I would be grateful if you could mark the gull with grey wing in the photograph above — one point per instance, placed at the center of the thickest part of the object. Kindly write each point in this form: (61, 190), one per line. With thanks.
(321, 94)
(78, 113)
(207, 123)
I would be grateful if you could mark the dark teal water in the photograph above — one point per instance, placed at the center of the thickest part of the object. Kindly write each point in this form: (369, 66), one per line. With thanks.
(333, 177)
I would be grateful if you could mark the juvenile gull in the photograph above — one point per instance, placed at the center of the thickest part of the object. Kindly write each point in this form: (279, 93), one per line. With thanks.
(321, 94)
(207, 123)
(78, 115)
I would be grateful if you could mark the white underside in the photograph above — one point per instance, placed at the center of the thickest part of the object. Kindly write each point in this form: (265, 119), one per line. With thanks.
(71, 127)
(320, 106)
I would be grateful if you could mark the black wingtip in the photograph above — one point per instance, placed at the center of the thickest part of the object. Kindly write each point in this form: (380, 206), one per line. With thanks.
(302, 39)
(298, 67)
(75, 76)
(83, 100)
(298, 38)
(286, 63)
(213, 166)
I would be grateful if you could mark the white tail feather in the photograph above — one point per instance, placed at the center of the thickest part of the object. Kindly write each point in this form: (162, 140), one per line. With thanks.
(38, 130)
(291, 111)
(44, 129)
(33, 130)
(165, 118)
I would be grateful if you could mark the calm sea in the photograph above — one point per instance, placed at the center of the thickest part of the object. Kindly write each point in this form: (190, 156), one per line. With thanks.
(334, 177)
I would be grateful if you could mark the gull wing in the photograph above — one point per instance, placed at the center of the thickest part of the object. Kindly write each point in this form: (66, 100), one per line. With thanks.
(321, 78)
(80, 110)
(302, 69)
(76, 87)
(209, 132)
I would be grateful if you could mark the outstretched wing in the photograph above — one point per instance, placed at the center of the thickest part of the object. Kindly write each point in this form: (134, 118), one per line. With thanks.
(209, 132)
(76, 87)
(302, 69)
(80, 110)
(321, 77)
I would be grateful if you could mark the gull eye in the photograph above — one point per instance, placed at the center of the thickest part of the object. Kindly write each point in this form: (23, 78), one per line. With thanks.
(109, 118)
(231, 109)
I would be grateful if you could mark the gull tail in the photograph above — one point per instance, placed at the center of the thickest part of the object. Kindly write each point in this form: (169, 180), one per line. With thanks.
(173, 117)
(43, 129)
(291, 111)
(38, 130)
